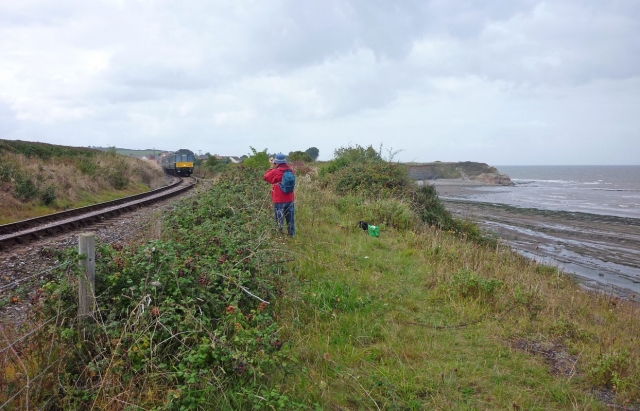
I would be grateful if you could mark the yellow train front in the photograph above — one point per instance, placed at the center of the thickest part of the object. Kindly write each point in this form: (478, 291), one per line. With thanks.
(179, 163)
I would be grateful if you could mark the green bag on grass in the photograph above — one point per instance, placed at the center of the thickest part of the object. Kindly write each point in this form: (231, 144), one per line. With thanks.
(374, 230)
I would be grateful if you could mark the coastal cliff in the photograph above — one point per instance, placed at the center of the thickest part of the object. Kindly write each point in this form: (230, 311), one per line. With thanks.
(465, 170)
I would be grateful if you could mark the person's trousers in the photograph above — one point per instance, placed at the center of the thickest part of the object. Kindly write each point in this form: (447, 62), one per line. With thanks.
(285, 211)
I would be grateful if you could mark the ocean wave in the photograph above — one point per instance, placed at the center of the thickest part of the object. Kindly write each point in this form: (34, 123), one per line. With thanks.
(531, 180)
(612, 189)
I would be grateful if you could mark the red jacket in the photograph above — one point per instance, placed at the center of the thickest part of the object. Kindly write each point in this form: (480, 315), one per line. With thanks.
(274, 176)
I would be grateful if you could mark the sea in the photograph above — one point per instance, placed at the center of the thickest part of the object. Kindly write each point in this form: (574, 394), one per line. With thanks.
(583, 219)
(607, 190)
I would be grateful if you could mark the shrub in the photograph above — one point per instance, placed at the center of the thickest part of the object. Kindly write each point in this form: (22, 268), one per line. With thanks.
(86, 166)
(6, 172)
(346, 156)
(470, 285)
(48, 196)
(530, 300)
(25, 189)
(429, 207)
(217, 166)
(300, 156)
(118, 175)
(371, 179)
(357, 154)
(607, 369)
(117, 180)
(258, 160)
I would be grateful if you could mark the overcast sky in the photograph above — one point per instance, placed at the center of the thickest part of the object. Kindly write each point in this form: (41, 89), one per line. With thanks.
(501, 82)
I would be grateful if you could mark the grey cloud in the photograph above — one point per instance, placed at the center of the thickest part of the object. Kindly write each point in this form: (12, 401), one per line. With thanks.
(480, 73)
(160, 78)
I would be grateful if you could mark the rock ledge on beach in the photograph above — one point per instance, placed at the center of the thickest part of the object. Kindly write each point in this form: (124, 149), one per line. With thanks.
(466, 171)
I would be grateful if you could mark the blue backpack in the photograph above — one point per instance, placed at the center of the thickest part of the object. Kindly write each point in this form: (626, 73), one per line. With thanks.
(288, 182)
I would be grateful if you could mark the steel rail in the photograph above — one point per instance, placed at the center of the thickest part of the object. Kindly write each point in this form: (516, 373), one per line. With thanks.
(35, 228)
(36, 221)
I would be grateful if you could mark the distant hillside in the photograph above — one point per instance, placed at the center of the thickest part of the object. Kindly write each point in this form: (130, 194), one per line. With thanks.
(466, 170)
(40, 178)
(148, 153)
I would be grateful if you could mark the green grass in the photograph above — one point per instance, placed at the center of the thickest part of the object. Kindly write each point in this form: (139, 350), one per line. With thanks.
(385, 323)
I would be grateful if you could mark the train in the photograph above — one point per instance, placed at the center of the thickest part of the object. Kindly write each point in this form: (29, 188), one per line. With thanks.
(178, 163)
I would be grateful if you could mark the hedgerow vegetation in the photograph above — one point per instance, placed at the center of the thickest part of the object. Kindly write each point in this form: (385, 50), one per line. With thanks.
(38, 178)
(418, 318)
(364, 173)
(185, 321)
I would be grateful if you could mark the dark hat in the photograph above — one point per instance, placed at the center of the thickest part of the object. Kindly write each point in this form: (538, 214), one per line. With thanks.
(280, 159)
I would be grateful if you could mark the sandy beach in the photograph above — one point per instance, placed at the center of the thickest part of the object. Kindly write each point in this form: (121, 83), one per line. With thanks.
(601, 251)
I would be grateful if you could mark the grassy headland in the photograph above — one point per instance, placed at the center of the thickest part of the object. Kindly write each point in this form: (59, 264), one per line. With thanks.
(223, 313)
(465, 170)
(38, 178)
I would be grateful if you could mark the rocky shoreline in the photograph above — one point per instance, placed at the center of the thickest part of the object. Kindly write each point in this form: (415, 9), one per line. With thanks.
(602, 252)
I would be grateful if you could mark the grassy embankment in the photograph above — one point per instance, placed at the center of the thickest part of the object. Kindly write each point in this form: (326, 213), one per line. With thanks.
(423, 319)
(38, 178)
(419, 318)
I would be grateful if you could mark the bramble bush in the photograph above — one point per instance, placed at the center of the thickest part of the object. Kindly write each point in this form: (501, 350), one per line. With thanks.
(363, 171)
(186, 317)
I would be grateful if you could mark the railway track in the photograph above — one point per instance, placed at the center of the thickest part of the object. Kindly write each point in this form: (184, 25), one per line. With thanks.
(25, 231)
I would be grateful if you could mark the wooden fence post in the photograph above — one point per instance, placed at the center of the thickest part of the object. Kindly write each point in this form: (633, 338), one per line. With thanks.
(87, 282)
(158, 228)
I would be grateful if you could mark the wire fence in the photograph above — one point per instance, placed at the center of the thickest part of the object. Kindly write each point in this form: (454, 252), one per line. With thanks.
(14, 348)
(14, 283)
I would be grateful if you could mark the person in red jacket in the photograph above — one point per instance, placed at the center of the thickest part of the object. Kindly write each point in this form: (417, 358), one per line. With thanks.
(283, 204)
